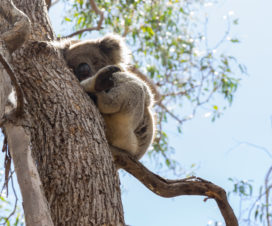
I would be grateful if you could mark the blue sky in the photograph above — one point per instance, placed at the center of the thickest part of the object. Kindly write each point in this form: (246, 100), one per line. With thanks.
(214, 146)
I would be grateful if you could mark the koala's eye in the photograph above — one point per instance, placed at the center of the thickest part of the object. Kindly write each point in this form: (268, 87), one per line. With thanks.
(83, 71)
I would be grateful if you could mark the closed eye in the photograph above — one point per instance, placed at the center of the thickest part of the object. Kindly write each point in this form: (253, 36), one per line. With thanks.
(83, 71)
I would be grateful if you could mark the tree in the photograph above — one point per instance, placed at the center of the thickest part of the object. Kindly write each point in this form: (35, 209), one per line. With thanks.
(64, 131)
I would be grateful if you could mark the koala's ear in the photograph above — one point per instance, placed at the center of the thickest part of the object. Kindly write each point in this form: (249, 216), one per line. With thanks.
(114, 48)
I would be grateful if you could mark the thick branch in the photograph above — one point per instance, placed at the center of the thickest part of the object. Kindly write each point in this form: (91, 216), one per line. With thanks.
(15, 37)
(173, 188)
(49, 3)
(5, 82)
(20, 99)
(99, 24)
(35, 206)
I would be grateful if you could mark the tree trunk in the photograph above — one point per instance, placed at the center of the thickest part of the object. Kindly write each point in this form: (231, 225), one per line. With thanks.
(67, 132)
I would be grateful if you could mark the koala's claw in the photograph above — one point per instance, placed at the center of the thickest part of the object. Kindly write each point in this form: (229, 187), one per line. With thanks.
(104, 81)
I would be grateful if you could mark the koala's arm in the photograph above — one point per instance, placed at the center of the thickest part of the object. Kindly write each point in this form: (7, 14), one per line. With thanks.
(116, 91)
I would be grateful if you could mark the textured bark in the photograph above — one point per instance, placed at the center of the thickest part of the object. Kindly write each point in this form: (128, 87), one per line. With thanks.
(66, 132)
(36, 209)
(5, 83)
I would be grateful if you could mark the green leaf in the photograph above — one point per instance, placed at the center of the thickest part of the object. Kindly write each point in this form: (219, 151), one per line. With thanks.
(236, 21)
(215, 107)
(235, 40)
(67, 19)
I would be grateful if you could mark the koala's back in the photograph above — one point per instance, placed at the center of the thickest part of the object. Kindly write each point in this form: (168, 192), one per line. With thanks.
(145, 133)
(131, 127)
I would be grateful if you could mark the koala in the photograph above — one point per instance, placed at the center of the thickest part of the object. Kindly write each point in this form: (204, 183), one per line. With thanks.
(123, 97)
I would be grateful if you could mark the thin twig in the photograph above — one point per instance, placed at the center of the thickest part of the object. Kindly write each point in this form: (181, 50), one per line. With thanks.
(54, 3)
(170, 113)
(15, 204)
(99, 24)
(267, 194)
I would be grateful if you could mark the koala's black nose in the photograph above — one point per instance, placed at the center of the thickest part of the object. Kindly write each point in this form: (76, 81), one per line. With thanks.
(83, 71)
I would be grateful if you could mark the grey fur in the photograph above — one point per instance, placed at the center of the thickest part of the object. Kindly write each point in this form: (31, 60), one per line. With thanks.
(124, 99)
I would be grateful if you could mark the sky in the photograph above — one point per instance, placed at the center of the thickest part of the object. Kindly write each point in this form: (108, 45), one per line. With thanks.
(219, 149)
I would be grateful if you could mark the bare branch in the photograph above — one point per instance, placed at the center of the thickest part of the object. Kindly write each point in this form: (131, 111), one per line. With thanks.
(35, 206)
(20, 98)
(12, 40)
(172, 188)
(83, 30)
(54, 3)
(99, 24)
(6, 219)
(180, 121)
(15, 37)
(48, 3)
(267, 195)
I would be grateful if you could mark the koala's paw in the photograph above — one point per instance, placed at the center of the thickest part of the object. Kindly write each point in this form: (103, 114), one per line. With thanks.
(104, 80)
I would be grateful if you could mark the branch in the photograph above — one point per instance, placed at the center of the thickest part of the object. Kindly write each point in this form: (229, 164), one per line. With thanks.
(15, 37)
(99, 24)
(20, 98)
(172, 188)
(11, 40)
(48, 3)
(180, 121)
(35, 205)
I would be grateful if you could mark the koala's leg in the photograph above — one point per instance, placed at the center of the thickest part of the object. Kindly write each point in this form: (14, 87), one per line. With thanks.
(120, 132)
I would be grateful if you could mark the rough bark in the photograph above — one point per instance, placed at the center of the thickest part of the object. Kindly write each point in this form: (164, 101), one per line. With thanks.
(35, 206)
(5, 82)
(66, 132)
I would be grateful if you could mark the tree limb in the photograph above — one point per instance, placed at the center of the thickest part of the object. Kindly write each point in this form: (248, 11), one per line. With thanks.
(49, 3)
(99, 24)
(20, 98)
(15, 37)
(172, 188)
(35, 205)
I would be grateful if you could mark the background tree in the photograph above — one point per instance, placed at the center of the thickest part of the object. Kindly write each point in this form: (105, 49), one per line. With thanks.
(169, 43)
(171, 86)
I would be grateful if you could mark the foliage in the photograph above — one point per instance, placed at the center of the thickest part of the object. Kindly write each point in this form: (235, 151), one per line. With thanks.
(257, 207)
(10, 213)
(169, 43)
(6, 208)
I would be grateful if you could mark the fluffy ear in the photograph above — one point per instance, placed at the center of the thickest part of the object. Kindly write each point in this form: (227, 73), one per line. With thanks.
(114, 48)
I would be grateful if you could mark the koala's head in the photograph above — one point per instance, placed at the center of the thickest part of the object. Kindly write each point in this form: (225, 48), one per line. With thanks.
(87, 57)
